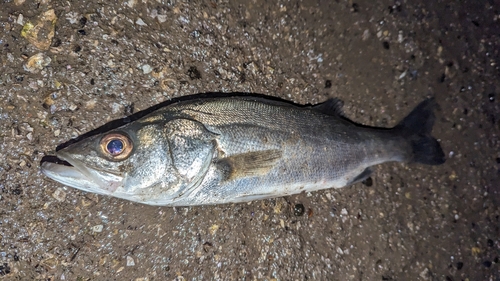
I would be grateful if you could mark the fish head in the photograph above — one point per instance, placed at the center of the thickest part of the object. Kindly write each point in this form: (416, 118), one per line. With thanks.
(122, 163)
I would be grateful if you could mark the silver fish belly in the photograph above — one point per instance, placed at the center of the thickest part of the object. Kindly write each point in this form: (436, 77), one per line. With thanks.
(239, 149)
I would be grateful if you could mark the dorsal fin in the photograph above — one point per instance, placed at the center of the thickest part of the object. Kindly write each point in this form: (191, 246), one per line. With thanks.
(331, 106)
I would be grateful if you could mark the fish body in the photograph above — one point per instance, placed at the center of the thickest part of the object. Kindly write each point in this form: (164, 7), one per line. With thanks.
(239, 149)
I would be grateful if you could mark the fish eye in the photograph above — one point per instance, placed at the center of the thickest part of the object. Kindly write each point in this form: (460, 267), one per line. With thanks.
(116, 146)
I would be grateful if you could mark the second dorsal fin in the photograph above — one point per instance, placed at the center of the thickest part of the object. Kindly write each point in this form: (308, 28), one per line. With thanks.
(331, 106)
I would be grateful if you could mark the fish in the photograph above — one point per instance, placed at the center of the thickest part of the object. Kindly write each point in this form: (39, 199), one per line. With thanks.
(233, 149)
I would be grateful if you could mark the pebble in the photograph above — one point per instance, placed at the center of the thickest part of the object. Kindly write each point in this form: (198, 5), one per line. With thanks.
(20, 19)
(37, 62)
(339, 250)
(40, 34)
(140, 22)
(59, 195)
(424, 274)
(146, 69)
(130, 261)
(162, 18)
(366, 35)
(475, 251)
(213, 229)
(116, 107)
(131, 3)
(97, 228)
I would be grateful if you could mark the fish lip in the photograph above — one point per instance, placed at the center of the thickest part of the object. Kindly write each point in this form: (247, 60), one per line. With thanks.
(79, 176)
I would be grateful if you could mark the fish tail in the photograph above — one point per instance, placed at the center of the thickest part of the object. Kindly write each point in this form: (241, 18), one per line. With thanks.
(416, 128)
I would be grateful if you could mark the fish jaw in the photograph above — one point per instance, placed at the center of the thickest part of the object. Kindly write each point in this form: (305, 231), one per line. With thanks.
(79, 176)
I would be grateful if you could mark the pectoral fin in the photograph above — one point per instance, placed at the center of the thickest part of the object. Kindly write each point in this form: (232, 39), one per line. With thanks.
(249, 164)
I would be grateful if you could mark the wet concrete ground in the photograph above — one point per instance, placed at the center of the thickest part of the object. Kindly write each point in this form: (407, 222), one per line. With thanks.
(107, 60)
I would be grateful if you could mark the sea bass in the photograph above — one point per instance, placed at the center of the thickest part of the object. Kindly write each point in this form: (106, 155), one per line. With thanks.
(238, 149)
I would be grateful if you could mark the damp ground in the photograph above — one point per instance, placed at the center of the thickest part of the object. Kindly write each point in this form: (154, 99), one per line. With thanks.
(70, 67)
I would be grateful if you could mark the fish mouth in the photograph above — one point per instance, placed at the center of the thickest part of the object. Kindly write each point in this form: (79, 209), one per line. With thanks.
(71, 172)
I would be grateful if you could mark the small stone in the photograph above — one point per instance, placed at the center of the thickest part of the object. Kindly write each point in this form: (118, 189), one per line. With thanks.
(59, 195)
(37, 62)
(116, 107)
(162, 18)
(400, 38)
(146, 69)
(475, 251)
(131, 3)
(20, 19)
(140, 22)
(90, 104)
(41, 33)
(424, 274)
(130, 261)
(491, 97)
(57, 133)
(339, 250)
(97, 228)
(102, 260)
(213, 229)
(366, 35)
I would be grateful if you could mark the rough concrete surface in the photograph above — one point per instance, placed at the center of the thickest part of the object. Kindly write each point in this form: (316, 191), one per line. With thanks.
(104, 60)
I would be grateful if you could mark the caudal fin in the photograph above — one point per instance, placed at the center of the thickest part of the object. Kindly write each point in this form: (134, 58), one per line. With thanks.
(417, 127)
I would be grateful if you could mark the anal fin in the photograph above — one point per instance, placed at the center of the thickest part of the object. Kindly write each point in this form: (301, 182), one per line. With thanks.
(361, 177)
(249, 164)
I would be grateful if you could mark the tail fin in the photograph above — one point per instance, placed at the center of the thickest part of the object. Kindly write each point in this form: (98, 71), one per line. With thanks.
(417, 127)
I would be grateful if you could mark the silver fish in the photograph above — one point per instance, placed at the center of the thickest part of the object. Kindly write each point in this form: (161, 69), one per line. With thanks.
(239, 149)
